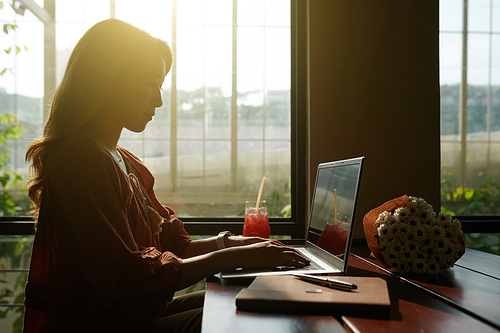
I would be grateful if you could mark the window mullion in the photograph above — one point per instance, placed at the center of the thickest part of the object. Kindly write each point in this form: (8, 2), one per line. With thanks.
(234, 99)
(463, 98)
(264, 99)
(173, 102)
(112, 6)
(488, 93)
(204, 120)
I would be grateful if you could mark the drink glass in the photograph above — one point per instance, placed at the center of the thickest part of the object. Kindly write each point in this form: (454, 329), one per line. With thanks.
(256, 221)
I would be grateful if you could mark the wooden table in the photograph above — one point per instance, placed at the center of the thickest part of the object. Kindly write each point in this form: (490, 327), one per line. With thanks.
(466, 298)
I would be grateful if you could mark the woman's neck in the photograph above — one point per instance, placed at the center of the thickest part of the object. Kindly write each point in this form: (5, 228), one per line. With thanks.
(104, 133)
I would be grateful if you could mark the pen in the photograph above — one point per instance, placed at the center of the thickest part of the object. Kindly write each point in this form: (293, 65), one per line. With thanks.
(327, 282)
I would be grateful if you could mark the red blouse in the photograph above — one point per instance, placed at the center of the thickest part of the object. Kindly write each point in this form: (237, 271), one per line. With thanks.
(96, 263)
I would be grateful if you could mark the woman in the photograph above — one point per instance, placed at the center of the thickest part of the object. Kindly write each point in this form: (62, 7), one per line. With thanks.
(107, 255)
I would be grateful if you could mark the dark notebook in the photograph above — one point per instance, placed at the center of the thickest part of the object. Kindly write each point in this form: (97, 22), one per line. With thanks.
(287, 294)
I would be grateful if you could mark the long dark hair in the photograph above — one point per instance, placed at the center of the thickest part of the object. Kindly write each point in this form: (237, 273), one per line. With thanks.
(104, 51)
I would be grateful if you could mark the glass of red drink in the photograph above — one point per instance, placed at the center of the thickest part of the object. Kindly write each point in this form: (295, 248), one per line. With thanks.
(256, 220)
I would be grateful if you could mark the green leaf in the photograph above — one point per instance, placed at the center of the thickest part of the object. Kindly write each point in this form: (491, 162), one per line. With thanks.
(8, 50)
(445, 182)
(20, 297)
(7, 27)
(18, 249)
(18, 50)
(469, 193)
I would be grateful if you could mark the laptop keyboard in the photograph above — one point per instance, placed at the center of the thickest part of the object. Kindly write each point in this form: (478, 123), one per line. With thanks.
(313, 266)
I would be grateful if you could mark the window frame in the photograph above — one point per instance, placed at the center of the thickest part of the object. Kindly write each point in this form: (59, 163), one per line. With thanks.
(293, 226)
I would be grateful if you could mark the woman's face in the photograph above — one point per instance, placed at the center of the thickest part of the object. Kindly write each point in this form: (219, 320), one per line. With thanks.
(137, 93)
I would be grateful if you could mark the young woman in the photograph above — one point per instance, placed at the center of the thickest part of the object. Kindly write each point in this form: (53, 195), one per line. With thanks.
(107, 255)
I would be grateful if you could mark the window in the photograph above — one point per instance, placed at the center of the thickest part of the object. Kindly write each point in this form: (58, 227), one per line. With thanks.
(230, 113)
(233, 111)
(470, 111)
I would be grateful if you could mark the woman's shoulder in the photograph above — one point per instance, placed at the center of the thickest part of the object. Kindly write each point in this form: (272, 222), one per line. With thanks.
(78, 151)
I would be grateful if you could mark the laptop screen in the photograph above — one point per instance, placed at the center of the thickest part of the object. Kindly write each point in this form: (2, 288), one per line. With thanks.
(334, 204)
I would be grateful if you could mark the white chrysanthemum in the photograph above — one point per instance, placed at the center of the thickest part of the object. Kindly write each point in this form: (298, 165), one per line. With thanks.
(452, 252)
(392, 253)
(402, 213)
(389, 220)
(383, 232)
(384, 243)
(413, 221)
(411, 205)
(419, 233)
(414, 247)
(443, 245)
(433, 267)
(385, 220)
(425, 215)
(380, 220)
(457, 226)
(409, 253)
(421, 202)
(419, 266)
(438, 233)
(404, 229)
(395, 247)
(444, 217)
(394, 264)
(393, 230)
(441, 258)
(410, 237)
(441, 223)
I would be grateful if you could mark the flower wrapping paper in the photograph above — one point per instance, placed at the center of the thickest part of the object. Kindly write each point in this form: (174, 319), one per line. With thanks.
(405, 235)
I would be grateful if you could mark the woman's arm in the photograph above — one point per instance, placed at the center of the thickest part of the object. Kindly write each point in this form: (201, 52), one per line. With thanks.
(203, 246)
(257, 255)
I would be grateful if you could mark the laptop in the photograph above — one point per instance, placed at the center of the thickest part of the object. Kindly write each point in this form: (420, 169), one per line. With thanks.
(330, 226)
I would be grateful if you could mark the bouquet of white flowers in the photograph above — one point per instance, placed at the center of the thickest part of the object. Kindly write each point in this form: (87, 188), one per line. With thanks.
(410, 237)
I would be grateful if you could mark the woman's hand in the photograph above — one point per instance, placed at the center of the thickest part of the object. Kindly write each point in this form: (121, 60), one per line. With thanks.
(269, 253)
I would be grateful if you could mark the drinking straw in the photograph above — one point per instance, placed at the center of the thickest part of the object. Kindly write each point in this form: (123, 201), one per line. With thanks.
(334, 205)
(260, 193)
